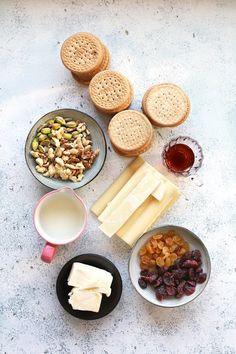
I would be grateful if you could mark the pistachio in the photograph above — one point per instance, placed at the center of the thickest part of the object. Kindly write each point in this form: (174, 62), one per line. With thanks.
(62, 149)
(41, 149)
(46, 130)
(60, 120)
(75, 133)
(67, 136)
(42, 137)
(35, 144)
(56, 126)
(71, 124)
(45, 142)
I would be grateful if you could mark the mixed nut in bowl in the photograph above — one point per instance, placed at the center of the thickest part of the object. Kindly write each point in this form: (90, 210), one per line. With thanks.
(65, 147)
(169, 266)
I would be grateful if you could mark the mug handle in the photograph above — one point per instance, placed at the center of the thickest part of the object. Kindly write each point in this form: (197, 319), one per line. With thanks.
(49, 252)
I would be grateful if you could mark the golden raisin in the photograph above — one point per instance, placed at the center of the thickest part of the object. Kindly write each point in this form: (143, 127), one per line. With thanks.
(165, 250)
(157, 237)
(145, 259)
(149, 248)
(142, 251)
(169, 241)
(160, 261)
(167, 262)
(154, 243)
(161, 244)
(173, 257)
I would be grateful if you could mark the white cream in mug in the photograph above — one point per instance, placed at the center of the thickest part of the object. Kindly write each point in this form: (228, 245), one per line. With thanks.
(60, 217)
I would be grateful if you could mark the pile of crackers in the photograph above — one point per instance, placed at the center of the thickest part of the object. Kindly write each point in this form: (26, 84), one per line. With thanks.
(130, 132)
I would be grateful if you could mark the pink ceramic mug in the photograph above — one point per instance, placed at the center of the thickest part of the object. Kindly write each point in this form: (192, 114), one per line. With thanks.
(60, 217)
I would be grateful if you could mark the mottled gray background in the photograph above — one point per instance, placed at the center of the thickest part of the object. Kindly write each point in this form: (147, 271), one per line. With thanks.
(191, 43)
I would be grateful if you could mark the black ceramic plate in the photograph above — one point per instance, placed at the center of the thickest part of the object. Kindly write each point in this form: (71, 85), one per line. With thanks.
(108, 303)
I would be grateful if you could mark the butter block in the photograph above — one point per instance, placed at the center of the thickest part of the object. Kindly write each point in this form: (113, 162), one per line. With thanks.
(85, 300)
(84, 277)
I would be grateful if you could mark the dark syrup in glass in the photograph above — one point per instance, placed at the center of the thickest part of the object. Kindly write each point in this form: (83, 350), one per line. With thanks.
(179, 158)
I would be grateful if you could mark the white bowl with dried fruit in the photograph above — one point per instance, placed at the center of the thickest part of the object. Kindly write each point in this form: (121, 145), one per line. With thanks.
(65, 147)
(169, 266)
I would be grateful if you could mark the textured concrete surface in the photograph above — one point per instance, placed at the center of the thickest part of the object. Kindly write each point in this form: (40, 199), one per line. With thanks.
(191, 43)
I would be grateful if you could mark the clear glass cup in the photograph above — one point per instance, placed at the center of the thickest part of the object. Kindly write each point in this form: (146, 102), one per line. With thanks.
(182, 156)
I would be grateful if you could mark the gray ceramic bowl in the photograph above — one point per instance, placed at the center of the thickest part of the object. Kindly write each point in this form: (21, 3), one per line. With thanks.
(149, 293)
(99, 142)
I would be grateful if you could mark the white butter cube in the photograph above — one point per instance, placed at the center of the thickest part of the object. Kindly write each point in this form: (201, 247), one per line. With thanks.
(85, 300)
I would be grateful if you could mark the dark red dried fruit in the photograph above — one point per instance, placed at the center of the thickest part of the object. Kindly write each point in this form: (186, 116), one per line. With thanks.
(188, 289)
(180, 274)
(158, 282)
(191, 274)
(142, 283)
(171, 290)
(144, 272)
(196, 255)
(161, 292)
(180, 289)
(177, 280)
(201, 278)
(199, 270)
(190, 264)
(168, 279)
(187, 255)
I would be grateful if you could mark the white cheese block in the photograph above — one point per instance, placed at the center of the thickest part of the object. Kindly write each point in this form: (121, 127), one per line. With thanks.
(85, 300)
(122, 194)
(131, 202)
(159, 192)
(84, 276)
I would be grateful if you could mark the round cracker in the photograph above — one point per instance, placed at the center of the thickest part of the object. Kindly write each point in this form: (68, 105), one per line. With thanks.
(82, 53)
(130, 131)
(166, 105)
(105, 63)
(110, 91)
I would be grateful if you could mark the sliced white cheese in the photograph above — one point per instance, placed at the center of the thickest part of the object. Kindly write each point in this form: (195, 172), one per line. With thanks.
(131, 202)
(159, 192)
(127, 188)
(85, 300)
(84, 276)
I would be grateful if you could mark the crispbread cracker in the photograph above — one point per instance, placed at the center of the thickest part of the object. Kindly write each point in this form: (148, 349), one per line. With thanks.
(130, 132)
(166, 105)
(110, 91)
(82, 53)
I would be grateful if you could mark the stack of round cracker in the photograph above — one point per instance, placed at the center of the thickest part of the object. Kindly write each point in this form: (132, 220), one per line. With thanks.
(130, 133)
(166, 105)
(110, 92)
(84, 55)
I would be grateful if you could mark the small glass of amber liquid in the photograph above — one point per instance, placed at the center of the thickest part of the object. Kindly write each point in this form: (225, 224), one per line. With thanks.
(183, 156)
